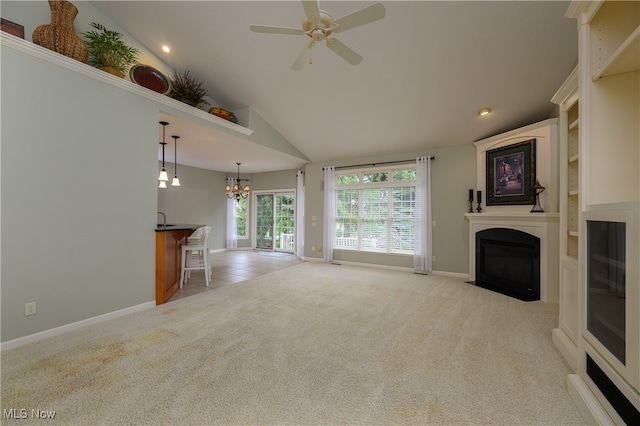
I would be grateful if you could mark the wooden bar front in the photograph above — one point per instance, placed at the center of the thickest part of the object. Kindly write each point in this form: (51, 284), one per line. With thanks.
(168, 256)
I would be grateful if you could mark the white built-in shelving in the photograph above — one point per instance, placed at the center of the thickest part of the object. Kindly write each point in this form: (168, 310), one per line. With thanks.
(600, 152)
(566, 335)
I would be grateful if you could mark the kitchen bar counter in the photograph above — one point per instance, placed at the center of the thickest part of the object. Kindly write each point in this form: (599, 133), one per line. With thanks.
(179, 227)
(168, 258)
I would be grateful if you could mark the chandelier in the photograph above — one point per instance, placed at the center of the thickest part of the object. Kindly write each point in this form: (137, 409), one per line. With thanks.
(236, 192)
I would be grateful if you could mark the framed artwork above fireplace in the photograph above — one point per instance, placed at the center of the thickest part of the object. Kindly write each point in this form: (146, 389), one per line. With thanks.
(511, 172)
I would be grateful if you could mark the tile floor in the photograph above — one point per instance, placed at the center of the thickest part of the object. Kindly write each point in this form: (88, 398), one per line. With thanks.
(230, 267)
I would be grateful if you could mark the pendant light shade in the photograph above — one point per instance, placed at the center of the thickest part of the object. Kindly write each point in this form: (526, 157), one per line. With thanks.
(163, 174)
(175, 181)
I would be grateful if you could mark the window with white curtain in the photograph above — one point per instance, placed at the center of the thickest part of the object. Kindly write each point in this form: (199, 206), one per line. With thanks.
(375, 209)
(241, 219)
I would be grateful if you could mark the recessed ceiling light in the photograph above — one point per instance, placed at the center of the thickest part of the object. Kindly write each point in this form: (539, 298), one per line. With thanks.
(166, 48)
(484, 111)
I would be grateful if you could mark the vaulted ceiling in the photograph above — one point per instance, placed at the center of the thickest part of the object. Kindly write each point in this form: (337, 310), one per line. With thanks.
(428, 67)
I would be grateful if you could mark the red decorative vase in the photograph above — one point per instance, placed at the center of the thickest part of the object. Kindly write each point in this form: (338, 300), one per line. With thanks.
(60, 35)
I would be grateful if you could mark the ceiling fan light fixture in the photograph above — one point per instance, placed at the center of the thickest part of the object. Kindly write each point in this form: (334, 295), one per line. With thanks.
(319, 25)
(317, 34)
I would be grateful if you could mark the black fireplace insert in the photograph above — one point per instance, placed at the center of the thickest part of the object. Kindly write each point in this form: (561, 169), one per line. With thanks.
(508, 261)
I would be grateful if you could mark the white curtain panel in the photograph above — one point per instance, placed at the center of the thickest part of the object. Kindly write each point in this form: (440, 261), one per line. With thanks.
(422, 251)
(329, 213)
(232, 233)
(300, 214)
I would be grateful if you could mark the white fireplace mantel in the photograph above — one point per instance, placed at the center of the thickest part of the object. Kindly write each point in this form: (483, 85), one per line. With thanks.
(542, 225)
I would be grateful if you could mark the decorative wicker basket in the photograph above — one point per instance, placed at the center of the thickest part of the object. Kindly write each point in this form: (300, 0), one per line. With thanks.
(60, 35)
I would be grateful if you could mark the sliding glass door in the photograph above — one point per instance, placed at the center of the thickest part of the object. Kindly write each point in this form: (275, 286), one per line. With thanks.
(275, 221)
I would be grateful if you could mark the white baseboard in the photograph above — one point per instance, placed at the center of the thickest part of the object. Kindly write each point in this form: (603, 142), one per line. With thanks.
(20, 341)
(312, 259)
(451, 274)
(372, 265)
(393, 268)
(567, 348)
(586, 402)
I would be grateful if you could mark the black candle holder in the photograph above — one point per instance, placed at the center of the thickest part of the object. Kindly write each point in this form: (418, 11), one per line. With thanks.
(470, 206)
(479, 209)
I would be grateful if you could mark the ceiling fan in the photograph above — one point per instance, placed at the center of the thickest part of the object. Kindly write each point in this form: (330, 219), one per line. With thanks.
(319, 25)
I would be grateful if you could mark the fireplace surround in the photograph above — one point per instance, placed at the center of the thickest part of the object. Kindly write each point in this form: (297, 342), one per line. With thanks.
(543, 226)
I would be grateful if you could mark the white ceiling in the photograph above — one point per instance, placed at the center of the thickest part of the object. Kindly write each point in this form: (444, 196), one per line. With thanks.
(428, 67)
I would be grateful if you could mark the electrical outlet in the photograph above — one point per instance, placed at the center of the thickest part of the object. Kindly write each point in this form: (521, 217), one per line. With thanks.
(320, 248)
(29, 309)
(313, 248)
(433, 258)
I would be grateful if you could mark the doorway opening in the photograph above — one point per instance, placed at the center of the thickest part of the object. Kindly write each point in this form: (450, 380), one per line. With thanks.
(274, 224)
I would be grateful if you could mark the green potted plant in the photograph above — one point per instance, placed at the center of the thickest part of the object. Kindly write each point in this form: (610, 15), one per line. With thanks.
(108, 52)
(187, 89)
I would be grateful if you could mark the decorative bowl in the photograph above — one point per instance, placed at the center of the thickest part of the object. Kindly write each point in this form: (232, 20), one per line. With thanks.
(151, 78)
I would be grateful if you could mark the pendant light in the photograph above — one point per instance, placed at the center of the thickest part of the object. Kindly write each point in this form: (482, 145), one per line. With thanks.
(236, 192)
(163, 178)
(175, 181)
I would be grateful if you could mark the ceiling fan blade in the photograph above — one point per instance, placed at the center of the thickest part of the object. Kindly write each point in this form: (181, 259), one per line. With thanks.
(275, 30)
(311, 10)
(343, 51)
(363, 16)
(303, 57)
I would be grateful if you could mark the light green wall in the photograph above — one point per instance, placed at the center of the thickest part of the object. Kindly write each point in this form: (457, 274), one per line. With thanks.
(79, 170)
(265, 134)
(453, 173)
(199, 200)
(285, 179)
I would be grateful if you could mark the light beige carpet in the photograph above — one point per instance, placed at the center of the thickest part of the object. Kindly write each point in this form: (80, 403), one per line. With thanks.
(311, 344)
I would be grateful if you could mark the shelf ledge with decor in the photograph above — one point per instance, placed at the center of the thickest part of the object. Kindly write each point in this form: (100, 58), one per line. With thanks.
(13, 42)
